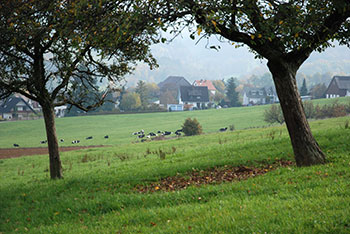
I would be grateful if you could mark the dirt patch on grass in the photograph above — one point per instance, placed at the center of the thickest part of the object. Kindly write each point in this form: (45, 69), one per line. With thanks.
(214, 175)
(19, 152)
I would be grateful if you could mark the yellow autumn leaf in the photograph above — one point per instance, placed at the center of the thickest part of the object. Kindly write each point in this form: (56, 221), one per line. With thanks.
(159, 21)
(57, 213)
(199, 30)
(104, 29)
(281, 22)
(296, 35)
(259, 36)
(252, 36)
(269, 39)
(214, 23)
(156, 188)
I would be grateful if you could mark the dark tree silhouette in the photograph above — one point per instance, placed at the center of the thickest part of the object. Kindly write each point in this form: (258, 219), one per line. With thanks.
(303, 89)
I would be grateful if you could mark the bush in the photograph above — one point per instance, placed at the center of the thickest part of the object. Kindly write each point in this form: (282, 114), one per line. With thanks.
(309, 109)
(274, 114)
(191, 127)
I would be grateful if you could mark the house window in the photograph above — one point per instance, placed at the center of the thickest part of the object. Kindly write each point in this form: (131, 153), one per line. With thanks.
(20, 108)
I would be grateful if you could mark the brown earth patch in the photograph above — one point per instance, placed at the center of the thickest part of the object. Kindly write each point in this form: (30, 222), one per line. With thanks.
(19, 152)
(214, 175)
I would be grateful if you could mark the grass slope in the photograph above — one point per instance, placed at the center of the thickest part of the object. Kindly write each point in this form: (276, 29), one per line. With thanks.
(120, 127)
(98, 195)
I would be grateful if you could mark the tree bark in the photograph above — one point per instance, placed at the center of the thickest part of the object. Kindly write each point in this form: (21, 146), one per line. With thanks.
(55, 161)
(306, 150)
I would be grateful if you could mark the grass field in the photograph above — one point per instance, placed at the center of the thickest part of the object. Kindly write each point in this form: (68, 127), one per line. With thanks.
(120, 127)
(98, 192)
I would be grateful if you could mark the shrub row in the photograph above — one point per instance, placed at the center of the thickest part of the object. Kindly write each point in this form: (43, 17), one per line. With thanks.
(274, 113)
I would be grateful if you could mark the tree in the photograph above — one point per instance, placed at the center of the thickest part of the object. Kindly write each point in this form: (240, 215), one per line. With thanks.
(219, 85)
(285, 33)
(231, 93)
(46, 46)
(142, 90)
(303, 89)
(318, 91)
(153, 91)
(191, 127)
(274, 114)
(130, 102)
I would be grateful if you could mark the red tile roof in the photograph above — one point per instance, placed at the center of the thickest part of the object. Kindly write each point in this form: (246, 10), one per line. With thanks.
(206, 83)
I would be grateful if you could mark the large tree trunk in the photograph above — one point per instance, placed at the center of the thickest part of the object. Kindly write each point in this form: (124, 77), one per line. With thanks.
(306, 150)
(55, 161)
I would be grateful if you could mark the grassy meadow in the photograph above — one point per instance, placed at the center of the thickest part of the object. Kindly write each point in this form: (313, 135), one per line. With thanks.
(98, 193)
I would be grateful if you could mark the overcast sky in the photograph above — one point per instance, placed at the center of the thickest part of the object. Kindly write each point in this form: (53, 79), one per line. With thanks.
(183, 57)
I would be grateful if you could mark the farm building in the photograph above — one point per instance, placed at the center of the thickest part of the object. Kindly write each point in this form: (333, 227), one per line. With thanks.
(338, 87)
(169, 89)
(16, 108)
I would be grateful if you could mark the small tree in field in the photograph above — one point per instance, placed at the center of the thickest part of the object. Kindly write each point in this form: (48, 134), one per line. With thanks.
(51, 49)
(191, 127)
(274, 114)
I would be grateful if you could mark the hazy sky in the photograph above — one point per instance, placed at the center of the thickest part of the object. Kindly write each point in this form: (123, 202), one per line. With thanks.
(183, 57)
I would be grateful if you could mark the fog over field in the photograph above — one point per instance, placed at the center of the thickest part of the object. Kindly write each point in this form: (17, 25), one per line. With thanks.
(186, 57)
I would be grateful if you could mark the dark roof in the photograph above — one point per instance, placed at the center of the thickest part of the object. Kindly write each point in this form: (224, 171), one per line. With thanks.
(194, 94)
(7, 105)
(174, 82)
(255, 92)
(343, 82)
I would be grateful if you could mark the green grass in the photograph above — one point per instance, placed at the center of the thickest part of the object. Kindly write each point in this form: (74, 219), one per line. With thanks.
(97, 194)
(120, 127)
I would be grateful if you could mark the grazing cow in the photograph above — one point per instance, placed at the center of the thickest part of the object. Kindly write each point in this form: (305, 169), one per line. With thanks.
(62, 140)
(143, 140)
(152, 134)
(106, 137)
(43, 142)
(178, 133)
(75, 142)
(16, 145)
(139, 133)
(223, 129)
(89, 138)
(141, 136)
(160, 132)
(166, 133)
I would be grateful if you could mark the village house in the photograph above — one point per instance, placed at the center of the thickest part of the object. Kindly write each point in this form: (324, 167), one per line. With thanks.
(16, 108)
(194, 97)
(205, 83)
(338, 87)
(259, 96)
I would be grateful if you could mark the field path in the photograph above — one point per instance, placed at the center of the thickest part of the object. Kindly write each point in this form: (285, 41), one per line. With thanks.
(19, 152)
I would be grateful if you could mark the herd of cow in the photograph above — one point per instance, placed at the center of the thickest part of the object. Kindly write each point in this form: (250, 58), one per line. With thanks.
(140, 135)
